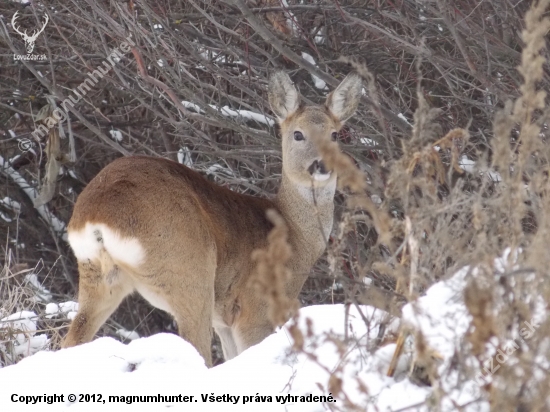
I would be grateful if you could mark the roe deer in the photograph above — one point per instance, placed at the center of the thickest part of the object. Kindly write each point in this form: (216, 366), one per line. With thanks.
(154, 226)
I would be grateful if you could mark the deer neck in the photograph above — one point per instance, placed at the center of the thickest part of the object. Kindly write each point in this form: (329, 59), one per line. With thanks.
(309, 215)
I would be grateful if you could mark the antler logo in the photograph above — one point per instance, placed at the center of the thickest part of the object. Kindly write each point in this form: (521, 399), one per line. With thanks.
(29, 40)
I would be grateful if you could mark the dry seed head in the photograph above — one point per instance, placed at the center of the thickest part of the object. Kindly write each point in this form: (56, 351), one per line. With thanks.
(271, 271)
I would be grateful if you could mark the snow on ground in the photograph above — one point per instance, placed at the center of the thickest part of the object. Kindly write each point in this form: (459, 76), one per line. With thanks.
(165, 364)
(11, 204)
(21, 327)
(127, 334)
(443, 320)
(69, 309)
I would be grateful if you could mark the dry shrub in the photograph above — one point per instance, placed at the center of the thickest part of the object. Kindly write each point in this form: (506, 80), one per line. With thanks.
(463, 219)
(446, 67)
(272, 275)
(19, 293)
(350, 177)
(449, 211)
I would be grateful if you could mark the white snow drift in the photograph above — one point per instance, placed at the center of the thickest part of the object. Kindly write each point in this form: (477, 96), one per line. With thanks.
(106, 375)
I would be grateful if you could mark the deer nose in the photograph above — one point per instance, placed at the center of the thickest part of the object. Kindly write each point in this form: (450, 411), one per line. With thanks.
(318, 166)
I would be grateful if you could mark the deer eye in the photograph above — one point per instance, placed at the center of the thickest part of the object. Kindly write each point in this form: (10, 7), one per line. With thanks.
(334, 136)
(298, 136)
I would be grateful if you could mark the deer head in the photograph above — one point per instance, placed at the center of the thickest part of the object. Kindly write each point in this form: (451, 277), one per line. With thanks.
(29, 40)
(302, 125)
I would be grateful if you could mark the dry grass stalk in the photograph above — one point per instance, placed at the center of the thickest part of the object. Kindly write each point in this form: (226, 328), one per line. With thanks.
(349, 176)
(271, 272)
(53, 155)
(399, 345)
(518, 159)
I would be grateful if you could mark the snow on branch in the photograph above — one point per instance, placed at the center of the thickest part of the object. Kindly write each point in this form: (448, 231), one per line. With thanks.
(245, 114)
(57, 225)
(228, 112)
(319, 83)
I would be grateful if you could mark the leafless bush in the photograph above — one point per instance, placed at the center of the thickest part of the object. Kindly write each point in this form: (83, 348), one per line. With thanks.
(465, 181)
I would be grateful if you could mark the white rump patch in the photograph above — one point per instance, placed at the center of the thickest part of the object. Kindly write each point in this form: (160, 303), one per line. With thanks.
(87, 243)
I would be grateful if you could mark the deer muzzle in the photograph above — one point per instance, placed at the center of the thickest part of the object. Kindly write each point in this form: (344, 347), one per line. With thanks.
(319, 171)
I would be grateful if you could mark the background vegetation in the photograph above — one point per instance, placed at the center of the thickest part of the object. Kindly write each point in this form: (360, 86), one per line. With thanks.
(468, 180)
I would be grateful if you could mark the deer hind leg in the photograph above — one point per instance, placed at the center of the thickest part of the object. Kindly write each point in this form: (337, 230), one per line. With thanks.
(185, 289)
(229, 346)
(102, 287)
(196, 327)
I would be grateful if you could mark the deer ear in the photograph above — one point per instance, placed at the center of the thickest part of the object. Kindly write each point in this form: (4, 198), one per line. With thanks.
(283, 96)
(343, 101)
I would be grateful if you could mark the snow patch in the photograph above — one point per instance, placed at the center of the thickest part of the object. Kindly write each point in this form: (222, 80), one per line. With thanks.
(184, 156)
(116, 135)
(22, 326)
(5, 217)
(319, 83)
(244, 114)
(467, 164)
(402, 117)
(127, 334)
(164, 364)
(41, 293)
(228, 112)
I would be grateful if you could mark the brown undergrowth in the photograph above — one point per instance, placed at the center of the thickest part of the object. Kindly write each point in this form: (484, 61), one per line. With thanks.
(449, 203)
(465, 180)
